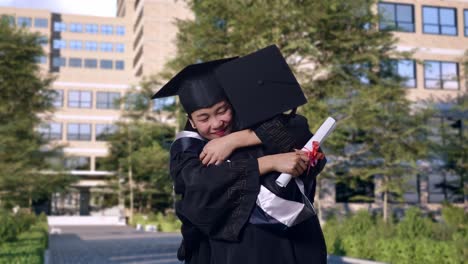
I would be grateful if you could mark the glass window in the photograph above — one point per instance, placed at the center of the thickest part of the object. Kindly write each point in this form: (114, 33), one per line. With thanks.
(24, 21)
(43, 40)
(41, 59)
(466, 22)
(9, 19)
(360, 71)
(91, 45)
(398, 17)
(59, 44)
(163, 103)
(120, 30)
(136, 102)
(441, 75)
(119, 65)
(107, 29)
(75, 62)
(79, 132)
(107, 100)
(106, 64)
(58, 98)
(92, 28)
(80, 99)
(41, 22)
(60, 27)
(412, 192)
(119, 47)
(58, 62)
(407, 70)
(90, 63)
(76, 44)
(445, 187)
(78, 163)
(439, 20)
(355, 190)
(103, 131)
(106, 46)
(51, 131)
(76, 27)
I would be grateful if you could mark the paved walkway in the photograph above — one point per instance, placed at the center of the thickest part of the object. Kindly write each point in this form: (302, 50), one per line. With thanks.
(111, 244)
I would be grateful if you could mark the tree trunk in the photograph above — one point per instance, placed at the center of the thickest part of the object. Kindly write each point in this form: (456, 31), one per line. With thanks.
(130, 182)
(385, 206)
(130, 173)
(149, 201)
(30, 203)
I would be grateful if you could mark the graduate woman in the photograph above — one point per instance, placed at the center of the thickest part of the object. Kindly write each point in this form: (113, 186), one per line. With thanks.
(221, 221)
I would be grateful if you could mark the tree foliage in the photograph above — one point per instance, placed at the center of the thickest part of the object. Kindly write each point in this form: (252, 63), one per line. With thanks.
(343, 63)
(140, 147)
(25, 94)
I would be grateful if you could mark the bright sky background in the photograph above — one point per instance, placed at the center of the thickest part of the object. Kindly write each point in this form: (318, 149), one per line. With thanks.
(106, 8)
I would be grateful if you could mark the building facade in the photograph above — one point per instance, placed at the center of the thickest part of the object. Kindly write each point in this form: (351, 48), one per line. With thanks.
(436, 31)
(98, 59)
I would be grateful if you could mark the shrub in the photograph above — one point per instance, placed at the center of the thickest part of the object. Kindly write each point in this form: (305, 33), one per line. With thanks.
(454, 216)
(164, 223)
(29, 247)
(24, 221)
(415, 239)
(414, 225)
(8, 228)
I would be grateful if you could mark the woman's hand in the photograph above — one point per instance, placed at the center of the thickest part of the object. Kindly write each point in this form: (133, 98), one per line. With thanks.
(294, 163)
(217, 150)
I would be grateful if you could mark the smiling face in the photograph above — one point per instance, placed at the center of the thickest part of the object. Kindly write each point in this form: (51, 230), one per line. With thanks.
(213, 122)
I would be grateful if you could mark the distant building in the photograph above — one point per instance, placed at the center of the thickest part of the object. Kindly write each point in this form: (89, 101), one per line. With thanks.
(437, 32)
(97, 60)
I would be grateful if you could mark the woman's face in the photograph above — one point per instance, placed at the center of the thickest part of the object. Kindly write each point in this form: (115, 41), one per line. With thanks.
(213, 122)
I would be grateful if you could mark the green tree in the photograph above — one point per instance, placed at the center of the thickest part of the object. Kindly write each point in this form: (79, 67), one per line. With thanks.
(343, 64)
(25, 94)
(139, 149)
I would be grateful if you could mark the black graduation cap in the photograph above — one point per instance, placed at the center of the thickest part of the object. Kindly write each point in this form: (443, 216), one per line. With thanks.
(196, 86)
(259, 86)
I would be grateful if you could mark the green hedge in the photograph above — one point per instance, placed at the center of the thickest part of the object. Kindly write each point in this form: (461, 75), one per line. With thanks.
(24, 238)
(165, 223)
(414, 239)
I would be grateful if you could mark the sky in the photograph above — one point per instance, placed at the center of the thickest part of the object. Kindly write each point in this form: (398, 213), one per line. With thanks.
(106, 8)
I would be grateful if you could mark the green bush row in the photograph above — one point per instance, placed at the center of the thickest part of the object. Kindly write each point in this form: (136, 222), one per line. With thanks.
(414, 239)
(14, 224)
(164, 222)
(28, 247)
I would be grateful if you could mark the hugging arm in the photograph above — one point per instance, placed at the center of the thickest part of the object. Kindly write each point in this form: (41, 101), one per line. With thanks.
(273, 134)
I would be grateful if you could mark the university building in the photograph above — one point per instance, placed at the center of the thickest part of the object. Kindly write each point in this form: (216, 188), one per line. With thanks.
(98, 59)
(437, 32)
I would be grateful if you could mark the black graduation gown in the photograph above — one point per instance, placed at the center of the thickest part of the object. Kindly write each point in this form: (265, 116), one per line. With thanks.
(217, 202)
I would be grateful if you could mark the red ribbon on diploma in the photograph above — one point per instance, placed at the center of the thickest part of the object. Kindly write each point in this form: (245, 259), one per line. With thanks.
(313, 154)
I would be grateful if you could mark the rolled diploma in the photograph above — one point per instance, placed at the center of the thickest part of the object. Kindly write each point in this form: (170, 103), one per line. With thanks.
(322, 133)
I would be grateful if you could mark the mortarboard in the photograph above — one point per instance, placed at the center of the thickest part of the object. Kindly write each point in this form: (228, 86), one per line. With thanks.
(259, 86)
(196, 86)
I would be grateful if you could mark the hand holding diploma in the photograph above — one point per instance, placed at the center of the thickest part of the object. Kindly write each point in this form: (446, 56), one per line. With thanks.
(311, 146)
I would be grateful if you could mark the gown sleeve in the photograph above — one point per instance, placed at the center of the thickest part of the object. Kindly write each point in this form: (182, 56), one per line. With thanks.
(283, 133)
(275, 136)
(217, 199)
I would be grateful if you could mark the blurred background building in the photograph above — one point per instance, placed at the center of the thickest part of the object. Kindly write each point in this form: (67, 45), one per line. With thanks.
(98, 59)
